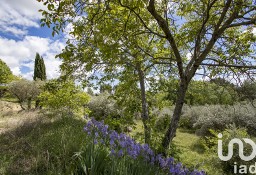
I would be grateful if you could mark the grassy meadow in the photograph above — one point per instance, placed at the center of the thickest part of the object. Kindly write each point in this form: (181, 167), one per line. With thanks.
(33, 143)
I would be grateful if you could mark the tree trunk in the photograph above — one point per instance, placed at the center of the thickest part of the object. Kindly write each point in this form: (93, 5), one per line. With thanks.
(20, 102)
(144, 111)
(29, 103)
(37, 104)
(171, 132)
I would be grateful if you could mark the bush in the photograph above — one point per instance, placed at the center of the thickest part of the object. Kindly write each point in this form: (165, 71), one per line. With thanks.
(227, 135)
(163, 118)
(3, 90)
(218, 117)
(63, 97)
(103, 107)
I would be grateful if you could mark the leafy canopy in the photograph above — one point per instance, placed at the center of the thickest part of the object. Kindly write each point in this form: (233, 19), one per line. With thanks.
(39, 68)
(63, 96)
(6, 75)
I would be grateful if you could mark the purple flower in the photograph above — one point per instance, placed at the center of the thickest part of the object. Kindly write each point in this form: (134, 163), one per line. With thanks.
(121, 145)
(120, 153)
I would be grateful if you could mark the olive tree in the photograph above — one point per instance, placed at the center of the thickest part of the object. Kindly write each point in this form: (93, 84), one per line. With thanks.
(25, 91)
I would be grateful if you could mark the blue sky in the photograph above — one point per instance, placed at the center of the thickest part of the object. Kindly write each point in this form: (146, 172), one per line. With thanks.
(21, 37)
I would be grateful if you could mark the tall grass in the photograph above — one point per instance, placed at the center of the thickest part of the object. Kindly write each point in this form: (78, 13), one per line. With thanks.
(41, 147)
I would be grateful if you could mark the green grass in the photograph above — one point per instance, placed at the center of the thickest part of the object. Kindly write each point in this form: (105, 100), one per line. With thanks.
(46, 146)
(193, 154)
(191, 151)
(41, 147)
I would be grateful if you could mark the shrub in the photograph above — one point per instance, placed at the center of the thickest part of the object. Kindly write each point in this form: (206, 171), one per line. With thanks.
(6, 75)
(3, 90)
(227, 135)
(218, 117)
(103, 107)
(63, 97)
(163, 118)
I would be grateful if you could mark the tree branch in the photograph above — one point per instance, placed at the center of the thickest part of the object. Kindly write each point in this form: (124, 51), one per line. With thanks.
(164, 26)
(253, 21)
(199, 36)
(218, 31)
(229, 65)
(142, 21)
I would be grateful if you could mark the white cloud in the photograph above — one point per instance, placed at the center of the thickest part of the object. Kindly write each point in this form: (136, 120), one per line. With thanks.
(22, 53)
(14, 30)
(17, 15)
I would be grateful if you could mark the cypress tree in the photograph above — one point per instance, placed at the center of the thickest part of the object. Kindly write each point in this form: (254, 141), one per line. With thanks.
(43, 69)
(39, 69)
(39, 72)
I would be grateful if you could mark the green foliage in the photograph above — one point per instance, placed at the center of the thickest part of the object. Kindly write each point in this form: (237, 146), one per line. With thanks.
(203, 92)
(39, 68)
(227, 135)
(64, 97)
(217, 117)
(163, 118)
(95, 159)
(127, 96)
(132, 37)
(106, 88)
(104, 107)
(90, 91)
(91, 159)
(25, 91)
(3, 90)
(247, 90)
(6, 75)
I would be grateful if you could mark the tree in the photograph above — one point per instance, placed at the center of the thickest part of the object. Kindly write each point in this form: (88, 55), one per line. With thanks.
(39, 68)
(6, 75)
(90, 91)
(106, 88)
(202, 92)
(247, 90)
(205, 30)
(63, 97)
(25, 91)
(39, 72)
(123, 58)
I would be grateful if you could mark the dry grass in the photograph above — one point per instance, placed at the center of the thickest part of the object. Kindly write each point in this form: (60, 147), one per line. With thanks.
(32, 143)
(12, 116)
